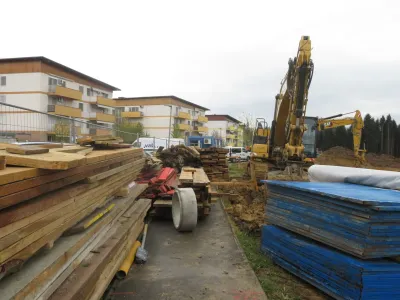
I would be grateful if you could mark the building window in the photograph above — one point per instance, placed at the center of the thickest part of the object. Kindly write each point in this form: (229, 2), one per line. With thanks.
(189, 112)
(2, 98)
(132, 109)
(89, 92)
(3, 80)
(188, 122)
(177, 110)
(81, 89)
(52, 81)
(193, 113)
(105, 95)
(81, 106)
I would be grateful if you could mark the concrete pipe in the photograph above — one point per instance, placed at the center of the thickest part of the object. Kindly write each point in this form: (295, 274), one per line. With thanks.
(184, 209)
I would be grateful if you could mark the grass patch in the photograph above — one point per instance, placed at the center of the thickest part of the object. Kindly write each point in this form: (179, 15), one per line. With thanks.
(277, 283)
(237, 170)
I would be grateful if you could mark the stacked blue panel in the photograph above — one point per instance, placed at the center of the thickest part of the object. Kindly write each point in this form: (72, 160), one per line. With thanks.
(339, 275)
(359, 220)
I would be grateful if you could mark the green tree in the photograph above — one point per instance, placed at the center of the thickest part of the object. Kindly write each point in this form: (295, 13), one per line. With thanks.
(129, 131)
(176, 132)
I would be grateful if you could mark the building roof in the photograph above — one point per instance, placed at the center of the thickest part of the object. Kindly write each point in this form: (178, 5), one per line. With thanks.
(57, 65)
(215, 117)
(163, 97)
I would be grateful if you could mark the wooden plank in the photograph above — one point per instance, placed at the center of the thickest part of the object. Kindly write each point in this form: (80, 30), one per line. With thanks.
(44, 273)
(110, 141)
(112, 146)
(186, 177)
(111, 172)
(200, 178)
(42, 203)
(81, 282)
(51, 160)
(13, 174)
(85, 151)
(2, 162)
(49, 204)
(47, 223)
(16, 260)
(90, 220)
(26, 150)
(56, 175)
(100, 155)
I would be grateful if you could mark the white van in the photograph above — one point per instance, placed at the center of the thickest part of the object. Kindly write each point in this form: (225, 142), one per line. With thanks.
(150, 144)
(237, 153)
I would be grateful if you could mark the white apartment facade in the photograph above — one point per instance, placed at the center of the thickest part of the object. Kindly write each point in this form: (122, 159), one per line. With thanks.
(162, 115)
(227, 128)
(40, 84)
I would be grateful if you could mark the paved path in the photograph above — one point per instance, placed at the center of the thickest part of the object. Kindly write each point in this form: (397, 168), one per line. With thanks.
(205, 264)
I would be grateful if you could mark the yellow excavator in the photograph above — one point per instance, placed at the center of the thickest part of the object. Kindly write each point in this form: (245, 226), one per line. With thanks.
(357, 124)
(283, 146)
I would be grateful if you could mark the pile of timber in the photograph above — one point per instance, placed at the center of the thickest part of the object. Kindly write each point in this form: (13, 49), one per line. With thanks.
(180, 156)
(214, 163)
(62, 228)
(196, 179)
(103, 142)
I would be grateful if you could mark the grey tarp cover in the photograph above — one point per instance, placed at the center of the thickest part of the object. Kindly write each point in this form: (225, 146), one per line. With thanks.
(376, 178)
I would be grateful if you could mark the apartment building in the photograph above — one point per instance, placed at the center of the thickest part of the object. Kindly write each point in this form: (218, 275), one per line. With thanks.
(227, 128)
(163, 114)
(41, 84)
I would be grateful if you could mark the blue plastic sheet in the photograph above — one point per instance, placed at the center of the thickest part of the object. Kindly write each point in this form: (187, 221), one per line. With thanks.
(360, 220)
(340, 275)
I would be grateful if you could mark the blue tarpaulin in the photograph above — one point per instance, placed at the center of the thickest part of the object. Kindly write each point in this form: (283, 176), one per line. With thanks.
(340, 275)
(360, 220)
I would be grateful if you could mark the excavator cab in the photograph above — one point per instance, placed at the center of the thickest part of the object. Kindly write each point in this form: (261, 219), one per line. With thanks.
(260, 139)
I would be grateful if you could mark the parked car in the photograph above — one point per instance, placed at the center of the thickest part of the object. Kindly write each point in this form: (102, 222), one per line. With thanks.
(238, 154)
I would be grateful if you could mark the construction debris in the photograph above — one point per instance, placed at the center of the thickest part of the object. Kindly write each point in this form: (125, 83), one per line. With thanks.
(180, 156)
(67, 193)
(215, 163)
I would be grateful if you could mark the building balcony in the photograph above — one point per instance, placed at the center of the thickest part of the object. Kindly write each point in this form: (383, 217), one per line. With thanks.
(97, 116)
(183, 115)
(56, 90)
(131, 114)
(201, 129)
(64, 111)
(184, 127)
(202, 119)
(105, 101)
(232, 128)
(231, 136)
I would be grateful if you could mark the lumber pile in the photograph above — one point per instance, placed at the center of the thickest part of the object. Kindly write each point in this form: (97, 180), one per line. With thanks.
(103, 142)
(196, 179)
(59, 216)
(180, 156)
(214, 163)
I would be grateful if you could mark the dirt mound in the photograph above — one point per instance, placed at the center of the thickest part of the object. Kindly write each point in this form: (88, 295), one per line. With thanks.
(337, 156)
(247, 208)
(344, 157)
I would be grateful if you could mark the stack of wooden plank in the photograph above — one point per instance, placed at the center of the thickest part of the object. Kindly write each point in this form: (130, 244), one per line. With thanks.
(45, 196)
(196, 179)
(103, 142)
(214, 163)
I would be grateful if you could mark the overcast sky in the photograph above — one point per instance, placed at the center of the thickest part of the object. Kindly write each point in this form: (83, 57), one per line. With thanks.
(229, 56)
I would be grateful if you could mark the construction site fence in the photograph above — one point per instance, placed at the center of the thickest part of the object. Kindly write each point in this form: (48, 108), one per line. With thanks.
(20, 124)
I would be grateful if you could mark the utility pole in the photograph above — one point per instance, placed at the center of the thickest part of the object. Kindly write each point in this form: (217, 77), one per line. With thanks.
(169, 128)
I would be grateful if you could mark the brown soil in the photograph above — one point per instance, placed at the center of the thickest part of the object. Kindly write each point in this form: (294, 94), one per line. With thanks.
(246, 209)
(339, 156)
